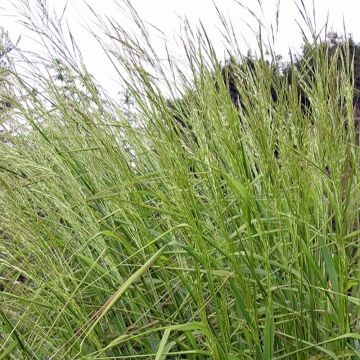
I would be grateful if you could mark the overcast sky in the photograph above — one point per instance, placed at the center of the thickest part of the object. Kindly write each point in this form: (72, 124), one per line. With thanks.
(167, 14)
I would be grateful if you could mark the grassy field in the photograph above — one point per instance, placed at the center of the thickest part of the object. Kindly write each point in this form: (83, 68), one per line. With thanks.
(126, 236)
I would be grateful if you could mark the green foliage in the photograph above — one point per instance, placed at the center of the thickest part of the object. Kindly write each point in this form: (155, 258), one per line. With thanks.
(134, 239)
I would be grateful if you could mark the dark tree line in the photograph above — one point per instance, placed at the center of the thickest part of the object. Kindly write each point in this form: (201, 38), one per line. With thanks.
(299, 72)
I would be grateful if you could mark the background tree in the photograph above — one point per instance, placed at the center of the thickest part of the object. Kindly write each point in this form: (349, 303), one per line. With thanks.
(297, 74)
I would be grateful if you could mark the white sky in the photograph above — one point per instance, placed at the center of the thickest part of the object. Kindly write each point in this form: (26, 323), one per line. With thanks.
(166, 14)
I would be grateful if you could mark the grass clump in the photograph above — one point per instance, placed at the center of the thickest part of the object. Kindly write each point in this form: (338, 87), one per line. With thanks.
(173, 230)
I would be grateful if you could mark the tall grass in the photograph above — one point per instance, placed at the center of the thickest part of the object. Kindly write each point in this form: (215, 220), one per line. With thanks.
(124, 235)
